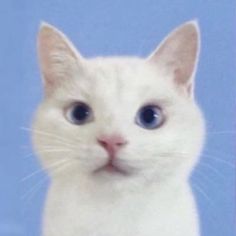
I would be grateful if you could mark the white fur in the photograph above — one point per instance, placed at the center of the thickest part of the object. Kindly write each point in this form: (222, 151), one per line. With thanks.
(155, 198)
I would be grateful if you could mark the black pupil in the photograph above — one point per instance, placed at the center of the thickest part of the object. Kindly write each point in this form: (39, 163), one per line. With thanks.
(80, 112)
(148, 115)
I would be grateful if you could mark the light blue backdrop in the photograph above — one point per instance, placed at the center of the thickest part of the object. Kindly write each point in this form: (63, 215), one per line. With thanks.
(105, 27)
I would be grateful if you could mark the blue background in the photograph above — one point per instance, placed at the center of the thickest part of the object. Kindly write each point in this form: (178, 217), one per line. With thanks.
(103, 27)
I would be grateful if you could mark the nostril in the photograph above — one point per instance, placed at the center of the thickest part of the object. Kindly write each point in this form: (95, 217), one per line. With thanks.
(121, 143)
(103, 143)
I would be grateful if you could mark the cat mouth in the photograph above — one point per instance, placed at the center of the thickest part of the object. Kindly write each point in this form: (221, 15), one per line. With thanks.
(111, 168)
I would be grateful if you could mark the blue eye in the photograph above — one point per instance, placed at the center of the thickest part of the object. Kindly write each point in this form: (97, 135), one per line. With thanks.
(149, 117)
(79, 113)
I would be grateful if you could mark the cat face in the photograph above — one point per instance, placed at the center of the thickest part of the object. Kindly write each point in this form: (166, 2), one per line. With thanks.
(119, 118)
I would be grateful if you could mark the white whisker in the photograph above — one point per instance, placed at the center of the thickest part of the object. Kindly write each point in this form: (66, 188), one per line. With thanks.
(28, 195)
(52, 135)
(204, 176)
(42, 170)
(204, 194)
(210, 167)
(219, 160)
(34, 189)
(222, 132)
(49, 151)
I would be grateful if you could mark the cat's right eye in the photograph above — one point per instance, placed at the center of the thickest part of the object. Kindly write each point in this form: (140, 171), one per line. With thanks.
(79, 113)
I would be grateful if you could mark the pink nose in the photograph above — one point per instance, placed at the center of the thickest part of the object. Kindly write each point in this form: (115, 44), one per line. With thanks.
(111, 143)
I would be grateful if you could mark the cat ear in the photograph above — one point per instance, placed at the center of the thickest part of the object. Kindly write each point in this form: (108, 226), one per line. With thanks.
(178, 54)
(58, 57)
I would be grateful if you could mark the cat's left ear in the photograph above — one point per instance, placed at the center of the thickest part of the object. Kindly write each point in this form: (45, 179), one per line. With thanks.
(178, 55)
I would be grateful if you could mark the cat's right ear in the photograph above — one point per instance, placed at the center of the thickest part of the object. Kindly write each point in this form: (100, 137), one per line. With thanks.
(58, 57)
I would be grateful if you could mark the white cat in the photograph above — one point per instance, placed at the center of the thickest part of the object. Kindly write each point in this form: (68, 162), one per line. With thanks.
(119, 137)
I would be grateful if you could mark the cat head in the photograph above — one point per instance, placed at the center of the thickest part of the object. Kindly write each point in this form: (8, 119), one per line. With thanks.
(119, 118)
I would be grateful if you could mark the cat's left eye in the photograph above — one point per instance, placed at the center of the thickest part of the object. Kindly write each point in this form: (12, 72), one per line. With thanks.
(149, 117)
(79, 113)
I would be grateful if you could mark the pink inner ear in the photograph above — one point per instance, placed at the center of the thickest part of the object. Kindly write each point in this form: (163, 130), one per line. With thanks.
(49, 85)
(178, 54)
(57, 57)
(178, 76)
(188, 87)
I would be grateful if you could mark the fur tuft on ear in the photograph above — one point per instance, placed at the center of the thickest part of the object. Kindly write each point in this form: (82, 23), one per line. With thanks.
(57, 56)
(178, 54)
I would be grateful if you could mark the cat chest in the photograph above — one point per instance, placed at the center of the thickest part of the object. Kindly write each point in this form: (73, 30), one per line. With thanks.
(93, 218)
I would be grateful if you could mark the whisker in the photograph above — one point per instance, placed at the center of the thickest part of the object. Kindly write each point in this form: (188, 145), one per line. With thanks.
(200, 190)
(219, 160)
(44, 133)
(217, 152)
(34, 189)
(204, 194)
(42, 170)
(217, 172)
(204, 176)
(48, 151)
(28, 195)
(211, 156)
(222, 132)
